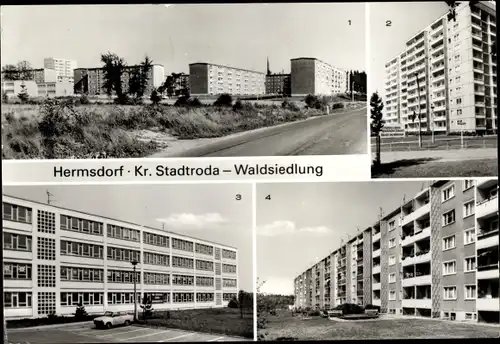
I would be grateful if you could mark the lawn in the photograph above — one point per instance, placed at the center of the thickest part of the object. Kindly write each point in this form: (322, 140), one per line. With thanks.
(430, 168)
(286, 327)
(227, 321)
(445, 142)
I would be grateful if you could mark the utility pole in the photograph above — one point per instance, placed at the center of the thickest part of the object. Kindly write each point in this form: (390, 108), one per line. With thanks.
(419, 113)
(432, 121)
(48, 197)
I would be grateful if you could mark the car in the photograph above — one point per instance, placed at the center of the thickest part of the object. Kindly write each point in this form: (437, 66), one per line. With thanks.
(110, 319)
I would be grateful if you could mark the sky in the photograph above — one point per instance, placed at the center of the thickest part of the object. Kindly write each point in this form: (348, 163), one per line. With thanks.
(207, 211)
(386, 42)
(303, 222)
(239, 35)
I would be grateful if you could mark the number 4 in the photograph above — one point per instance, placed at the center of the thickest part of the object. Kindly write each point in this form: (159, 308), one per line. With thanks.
(268, 197)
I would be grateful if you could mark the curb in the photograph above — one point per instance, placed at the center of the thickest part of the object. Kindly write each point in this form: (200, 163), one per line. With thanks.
(189, 331)
(44, 327)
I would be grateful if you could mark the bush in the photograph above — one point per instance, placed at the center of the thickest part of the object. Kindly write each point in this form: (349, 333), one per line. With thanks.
(290, 105)
(233, 303)
(373, 307)
(81, 313)
(84, 99)
(155, 97)
(224, 99)
(5, 97)
(123, 99)
(238, 105)
(337, 106)
(314, 313)
(311, 101)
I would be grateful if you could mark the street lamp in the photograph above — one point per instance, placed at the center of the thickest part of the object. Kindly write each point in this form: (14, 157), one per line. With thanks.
(432, 123)
(134, 263)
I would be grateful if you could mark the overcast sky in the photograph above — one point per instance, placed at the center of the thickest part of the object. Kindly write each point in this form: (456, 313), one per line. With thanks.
(206, 211)
(407, 19)
(240, 35)
(304, 222)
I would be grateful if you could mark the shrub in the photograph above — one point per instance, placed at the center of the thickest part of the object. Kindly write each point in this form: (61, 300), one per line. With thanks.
(311, 100)
(224, 99)
(84, 99)
(233, 303)
(314, 313)
(80, 312)
(147, 308)
(238, 105)
(155, 97)
(290, 105)
(123, 99)
(337, 106)
(350, 308)
(5, 97)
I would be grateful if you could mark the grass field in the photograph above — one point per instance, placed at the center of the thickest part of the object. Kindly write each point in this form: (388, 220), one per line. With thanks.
(54, 131)
(446, 142)
(429, 168)
(225, 321)
(286, 327)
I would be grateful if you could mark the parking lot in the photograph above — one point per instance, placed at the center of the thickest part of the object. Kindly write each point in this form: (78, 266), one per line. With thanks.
(87, 333)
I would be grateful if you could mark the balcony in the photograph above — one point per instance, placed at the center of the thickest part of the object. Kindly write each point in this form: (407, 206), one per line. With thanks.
(376, 253)
(486, 304)
(419, 280)
(488, 239)
(487, 207)
(416, 303)
(376, 302)
(376, 286)
(376, 269)
(419, 212)
(488, 274)
(422, 258)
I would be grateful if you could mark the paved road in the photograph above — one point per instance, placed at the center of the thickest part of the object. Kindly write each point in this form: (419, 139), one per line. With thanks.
(342, 133)
(131, 334)
(442, 155)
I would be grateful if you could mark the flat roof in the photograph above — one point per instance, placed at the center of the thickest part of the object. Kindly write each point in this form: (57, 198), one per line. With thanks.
(113, 219)
(131, 66)
(225, 66)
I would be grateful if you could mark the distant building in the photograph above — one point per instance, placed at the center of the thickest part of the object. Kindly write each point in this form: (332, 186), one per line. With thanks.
(39, 75)
(55, 89)
(279, 84)
(91, 80)
(64, 68)
(312, 76)
(13, 87)
(181, 84)
(213, 79)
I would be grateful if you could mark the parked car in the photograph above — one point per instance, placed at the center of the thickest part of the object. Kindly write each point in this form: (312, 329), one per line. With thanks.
(110, 319)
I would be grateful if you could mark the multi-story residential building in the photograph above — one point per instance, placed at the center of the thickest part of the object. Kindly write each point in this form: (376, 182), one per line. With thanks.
(213, 79)
(279, 84)
(64, 68)
(436, 255)
(312, 76)
(40, 75)
(41, 82)
(91, 80)
(12, 88)
(56, 258)
(446, 74)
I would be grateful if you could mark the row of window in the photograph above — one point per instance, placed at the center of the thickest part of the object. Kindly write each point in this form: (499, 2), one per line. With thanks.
(18, 242)
(228, 254)
(228, 268)
(81, 225)
(204, 249)
(13, 212)
(123, 254)
(72, 248)
(122, 233)
(204, 265)
(203, 281)
(156, 259)
(228, 296)
(183, 245)
(155, 239)
(81, 274)
(156, 278)
(229, 283)
(121, 276)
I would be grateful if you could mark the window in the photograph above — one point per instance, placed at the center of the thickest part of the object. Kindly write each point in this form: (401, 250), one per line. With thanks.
(69, 273)
(155, 239)
(182, 280)
(450, 293)
(392, 277)
(156, 259)
(448, 193)
(449, 268)
(121, 254)
(449, 217)
(469, 236)
(229, 283)
(73, 248)
(449, 243)
(392, 243)
(469, 208)
(228, 296)
(204, 281)
(392, 295)
(16, 242)
(73, 299)
(122, 276)
(80, 225)
(16, 299)
(122, 233)
(204, 265)
(183, 297)
(122, 298)
(228, 268)
(470, 264)
(228, 254)
(16, 213)
(457, 80)
(183, 245)
(459, 112)
(204, 297)
(468, 183)
(470, 292)
(392, 260)
(16, 271)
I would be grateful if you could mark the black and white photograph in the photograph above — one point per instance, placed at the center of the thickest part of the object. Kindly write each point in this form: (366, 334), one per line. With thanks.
(433, 85)
(378, 260)
(183, 80)
(127, 263)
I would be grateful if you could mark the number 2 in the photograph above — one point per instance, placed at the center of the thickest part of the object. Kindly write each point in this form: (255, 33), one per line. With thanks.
(388, 23)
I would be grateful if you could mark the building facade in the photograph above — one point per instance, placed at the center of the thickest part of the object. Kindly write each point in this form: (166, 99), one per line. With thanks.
(42, 82)
(14, 87)
(91, 81)
(56, 258)
(64, 68)
(212, 79)
(279, 84)
(313, 76)
(446, 74)
(436, 256)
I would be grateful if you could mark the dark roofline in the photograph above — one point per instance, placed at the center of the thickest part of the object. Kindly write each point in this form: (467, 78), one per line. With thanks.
(113, 219)
(130, 66)
(224, 66)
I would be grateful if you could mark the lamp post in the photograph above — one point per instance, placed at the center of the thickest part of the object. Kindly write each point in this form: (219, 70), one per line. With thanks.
(432, 123)
(134, 263)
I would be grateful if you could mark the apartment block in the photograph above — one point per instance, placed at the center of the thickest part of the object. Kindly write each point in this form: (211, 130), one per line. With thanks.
(447, 75)
(14, 87)
(214, 79)
(64, 68)
(91, 81)
(435, 255)
(55, 258)
(279, 84)
(313, 76)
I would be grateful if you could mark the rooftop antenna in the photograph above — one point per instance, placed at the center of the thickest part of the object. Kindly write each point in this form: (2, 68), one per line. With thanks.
(48, 197)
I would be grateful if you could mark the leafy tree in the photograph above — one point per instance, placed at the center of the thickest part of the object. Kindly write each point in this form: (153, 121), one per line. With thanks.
(10, 72)
(81, 313)
(233, 303)
(23, 95)
(377, 123)
(25, 70)
(224, 99)
(5, 97)
(113, 70)
(261, 312)
(245, 301)
(146, 67)
(147, 307)
(155, 97)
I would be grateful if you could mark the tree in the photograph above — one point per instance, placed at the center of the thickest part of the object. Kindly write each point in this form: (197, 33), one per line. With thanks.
(245, 301)
(10, 72)
(377, 123)
(155, 97)
(146, 67)
(261, 312)
(23, 95)
(147, 307)
(5, 97)
(25, 70)
(113, 70)
(81, 313)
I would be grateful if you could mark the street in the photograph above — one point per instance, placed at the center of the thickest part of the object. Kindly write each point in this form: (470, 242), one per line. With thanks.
(87, 333)
(335, 134)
